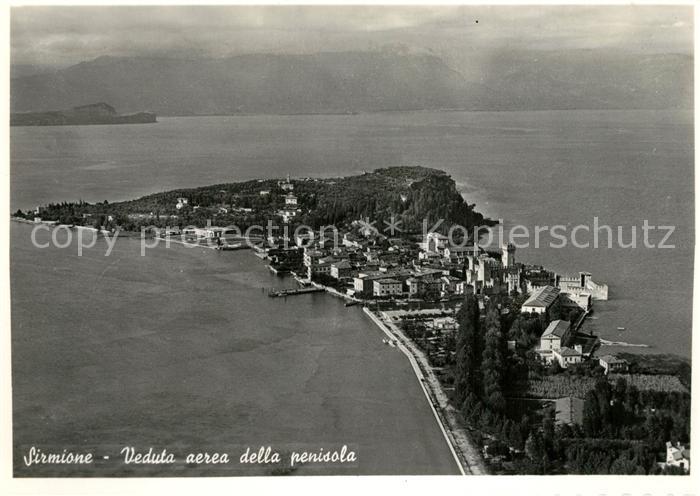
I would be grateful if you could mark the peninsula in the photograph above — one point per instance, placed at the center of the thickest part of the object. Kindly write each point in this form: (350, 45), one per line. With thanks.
(499, 346)
(95, 113)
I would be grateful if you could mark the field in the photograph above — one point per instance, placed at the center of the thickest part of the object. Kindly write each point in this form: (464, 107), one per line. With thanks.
(558, 386)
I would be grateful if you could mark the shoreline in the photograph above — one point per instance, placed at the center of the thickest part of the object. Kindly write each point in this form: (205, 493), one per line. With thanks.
(463, 450)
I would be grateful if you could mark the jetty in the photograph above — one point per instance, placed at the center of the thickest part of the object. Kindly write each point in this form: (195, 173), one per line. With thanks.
(280, 271)
(291, 292)
(237, 246)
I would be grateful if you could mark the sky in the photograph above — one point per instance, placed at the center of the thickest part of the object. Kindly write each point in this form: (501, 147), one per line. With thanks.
(68, 35)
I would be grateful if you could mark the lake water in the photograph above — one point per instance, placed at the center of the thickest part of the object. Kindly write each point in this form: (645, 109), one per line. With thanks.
(182, 349)
(529, 168)
(182, 345)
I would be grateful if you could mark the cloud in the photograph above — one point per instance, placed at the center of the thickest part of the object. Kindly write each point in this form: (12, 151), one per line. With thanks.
(63, 35)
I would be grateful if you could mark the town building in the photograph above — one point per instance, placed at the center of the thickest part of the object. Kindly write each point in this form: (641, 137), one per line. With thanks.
(541, 300)
(363, 283)
(341, 269)
(286, 185)
(613, 364)
(320, 266)
(351, 240)
(508, 255)
(582, 283)
(555, 336)
(435, 242)
(209, 232)
(677, 456)
(305, 238)
(457, 254)
(578, 300)
(566, 356)
(387, 287)
(557, 343)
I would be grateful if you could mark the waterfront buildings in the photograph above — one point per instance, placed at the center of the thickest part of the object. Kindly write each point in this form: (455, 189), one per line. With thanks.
(582, 284)
(341, 269)
(437, 268)
(387, 287)
(208, 232)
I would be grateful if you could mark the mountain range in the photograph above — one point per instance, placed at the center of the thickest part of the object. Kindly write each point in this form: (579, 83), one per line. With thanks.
(349, 82)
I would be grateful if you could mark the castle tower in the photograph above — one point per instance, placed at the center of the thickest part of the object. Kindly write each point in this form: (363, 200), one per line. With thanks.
(508, 257)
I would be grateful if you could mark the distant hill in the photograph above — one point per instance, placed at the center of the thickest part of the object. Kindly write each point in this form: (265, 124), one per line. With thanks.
(95, 113)
(321, 83)
(364, 82)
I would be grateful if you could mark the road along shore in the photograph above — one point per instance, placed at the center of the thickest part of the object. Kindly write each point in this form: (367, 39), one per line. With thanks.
(466, 455)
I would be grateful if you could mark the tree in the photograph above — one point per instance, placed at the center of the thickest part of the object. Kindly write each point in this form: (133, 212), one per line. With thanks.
(591, 415)
(534, 447)
(548, 432)
(494, 362)
(468, 371)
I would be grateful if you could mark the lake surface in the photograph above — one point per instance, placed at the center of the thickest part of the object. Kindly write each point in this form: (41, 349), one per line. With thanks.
(182, 349)
(182, 346)
(527, 168)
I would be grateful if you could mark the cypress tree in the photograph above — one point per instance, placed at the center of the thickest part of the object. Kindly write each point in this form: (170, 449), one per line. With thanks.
(469, 351)
(494, 362)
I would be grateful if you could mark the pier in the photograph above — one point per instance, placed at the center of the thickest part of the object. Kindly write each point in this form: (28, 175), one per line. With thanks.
(292, 292)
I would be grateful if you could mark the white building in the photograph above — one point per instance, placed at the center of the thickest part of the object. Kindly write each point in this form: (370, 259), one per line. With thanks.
(457, 254)
(568, 356)
(209, 232)
(508, 255)
(341, 269)
(613, 364)
(435, 242)
(387, 287)
(555, 344)
(287, 186)
(582, 283)
(541, 300)
(555, 336)
(677, 456)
